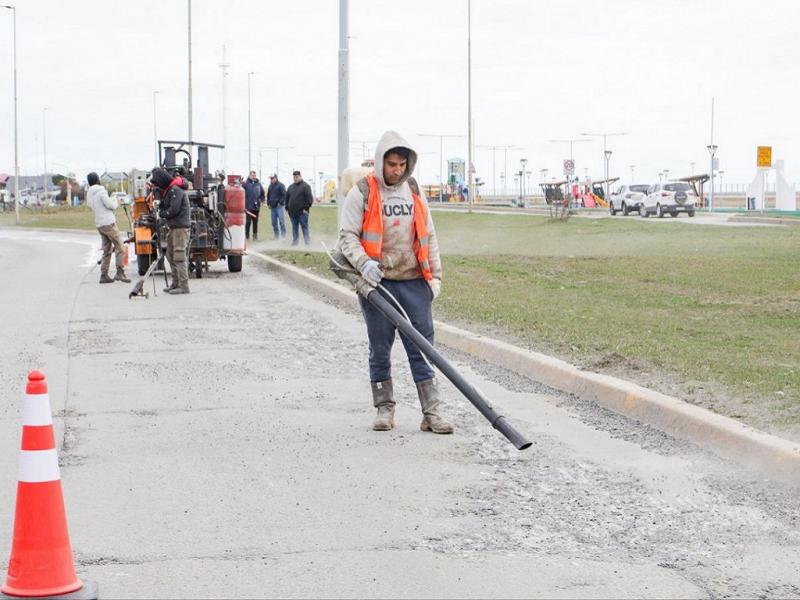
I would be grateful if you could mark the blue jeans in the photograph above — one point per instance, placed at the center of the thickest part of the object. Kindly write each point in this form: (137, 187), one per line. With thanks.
(277, 220)
(298, 221)
(415, 296)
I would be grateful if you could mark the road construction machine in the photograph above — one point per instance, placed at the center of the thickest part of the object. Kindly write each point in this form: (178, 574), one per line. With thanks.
(217, 211)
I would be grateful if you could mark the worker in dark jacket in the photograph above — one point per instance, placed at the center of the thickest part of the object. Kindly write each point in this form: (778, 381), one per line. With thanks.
(299, 199)
(253, 197)
(174, 209)
(276, 199)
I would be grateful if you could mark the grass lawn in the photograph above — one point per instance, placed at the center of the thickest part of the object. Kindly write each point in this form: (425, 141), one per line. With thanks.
(708, 313)
(61, 218)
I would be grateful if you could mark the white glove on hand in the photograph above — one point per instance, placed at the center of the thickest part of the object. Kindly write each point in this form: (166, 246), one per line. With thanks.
(436, 287)
(371, 271)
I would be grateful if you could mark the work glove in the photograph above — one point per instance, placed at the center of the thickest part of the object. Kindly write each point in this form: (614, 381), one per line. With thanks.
(436, 287)
(371, 271)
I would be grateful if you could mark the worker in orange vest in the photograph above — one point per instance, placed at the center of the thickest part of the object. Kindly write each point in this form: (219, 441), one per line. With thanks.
(386, 232)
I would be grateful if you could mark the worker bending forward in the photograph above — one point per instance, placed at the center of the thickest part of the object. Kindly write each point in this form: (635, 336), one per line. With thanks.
(387, 234)
(174, 209)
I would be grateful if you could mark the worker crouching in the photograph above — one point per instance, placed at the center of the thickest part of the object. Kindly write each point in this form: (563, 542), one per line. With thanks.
(387, 233)
(174, 209)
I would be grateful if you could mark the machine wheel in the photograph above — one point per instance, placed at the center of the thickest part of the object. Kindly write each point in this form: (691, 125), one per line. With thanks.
(234, 263)
(198, 268)
(611, 209)
(625, 210)
(143, 262)
(660, 211)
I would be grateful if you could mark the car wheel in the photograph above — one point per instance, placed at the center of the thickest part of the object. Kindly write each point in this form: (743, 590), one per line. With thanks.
(690, 213)
(625, 210)
(674, 214)
(643, 211)
(611, 210)
(660, 211)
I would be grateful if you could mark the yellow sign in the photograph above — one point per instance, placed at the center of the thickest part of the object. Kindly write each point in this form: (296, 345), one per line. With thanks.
(764, 157)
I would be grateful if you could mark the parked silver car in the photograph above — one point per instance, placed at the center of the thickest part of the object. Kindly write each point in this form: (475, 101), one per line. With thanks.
(627, 199)
(670, 198)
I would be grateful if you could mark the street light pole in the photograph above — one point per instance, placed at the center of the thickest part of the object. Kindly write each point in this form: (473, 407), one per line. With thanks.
(155, 132)
(16, 127)
(314, 168)
(494, 163)
(277, 150)
(44, 147)
(605, 137)
(470, 167)
(190, 77)
(343, 156)
(249, 126)
(523, 163)
(224, 65)
(712, 150)
(607, 155)
(633, 167)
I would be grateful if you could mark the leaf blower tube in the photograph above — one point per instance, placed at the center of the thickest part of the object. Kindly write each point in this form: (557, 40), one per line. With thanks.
(339, 265)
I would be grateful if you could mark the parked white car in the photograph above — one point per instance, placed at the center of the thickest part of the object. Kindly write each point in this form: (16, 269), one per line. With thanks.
(627, 199)
(670, 198)
(122, 198)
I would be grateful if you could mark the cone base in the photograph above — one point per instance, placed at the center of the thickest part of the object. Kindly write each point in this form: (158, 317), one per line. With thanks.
(88, 591)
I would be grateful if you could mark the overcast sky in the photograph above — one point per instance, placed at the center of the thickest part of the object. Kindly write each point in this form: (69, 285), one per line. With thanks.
(542, 70)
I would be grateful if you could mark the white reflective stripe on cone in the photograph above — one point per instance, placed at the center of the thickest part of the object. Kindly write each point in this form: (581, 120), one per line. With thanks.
(36, 410)
(38, 466)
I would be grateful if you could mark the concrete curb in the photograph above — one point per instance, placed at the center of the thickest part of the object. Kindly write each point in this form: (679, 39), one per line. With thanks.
(764, 220)
(726, 437)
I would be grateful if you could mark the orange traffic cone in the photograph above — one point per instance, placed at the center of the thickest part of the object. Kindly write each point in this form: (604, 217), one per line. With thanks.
(41, 557)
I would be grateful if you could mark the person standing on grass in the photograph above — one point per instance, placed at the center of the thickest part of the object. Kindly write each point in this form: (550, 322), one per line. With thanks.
(387, 233)
(253, 197)
(299, 200)
(105, 219)
(276, 200)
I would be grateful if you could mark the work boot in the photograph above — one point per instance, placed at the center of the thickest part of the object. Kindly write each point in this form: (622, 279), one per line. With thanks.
(104, 278)
(383, 399)
(178, 290)
(171, 286)
(432, 420)
(120, 276)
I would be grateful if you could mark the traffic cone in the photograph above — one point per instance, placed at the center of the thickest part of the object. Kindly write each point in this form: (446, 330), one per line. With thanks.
(41, 556)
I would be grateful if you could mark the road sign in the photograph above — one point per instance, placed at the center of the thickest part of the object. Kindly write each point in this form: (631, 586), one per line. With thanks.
(569, 167)
(764, 156)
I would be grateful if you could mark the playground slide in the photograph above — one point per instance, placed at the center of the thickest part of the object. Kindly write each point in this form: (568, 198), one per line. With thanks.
(600, 201)
(589, 200)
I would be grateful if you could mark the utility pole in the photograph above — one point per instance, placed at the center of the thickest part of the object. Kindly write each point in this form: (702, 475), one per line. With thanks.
(712, 150)
(364, 148)
(633, 167)
(606, 151)
(314, 168)
(343, 152)
(494, 171)
(44, 147)
(470, 165)
(16, 120)
(190, 78)
(224, 65)
(155, 133)
(441, 145)
(277, 151)
(249, 127)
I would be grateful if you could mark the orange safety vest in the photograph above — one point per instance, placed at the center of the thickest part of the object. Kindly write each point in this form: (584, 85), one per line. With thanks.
(372, 227)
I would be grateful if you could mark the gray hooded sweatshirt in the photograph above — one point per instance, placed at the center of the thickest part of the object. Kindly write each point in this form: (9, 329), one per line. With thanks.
(398, 257)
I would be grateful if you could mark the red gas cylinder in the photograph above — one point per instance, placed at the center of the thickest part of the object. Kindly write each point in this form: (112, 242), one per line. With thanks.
(233, 241)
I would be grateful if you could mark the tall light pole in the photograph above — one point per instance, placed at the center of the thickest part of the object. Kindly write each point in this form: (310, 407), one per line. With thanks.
(190, 78)
(605, 137)
(343, 158)
(224, 65)
(607, 155)
(44, 148)
(570, 141)
(470, 165)
(523, 163)
(666, 174)
(633, 168)
(712, 150)
(314, 168)
(691, 165)
(249, 126)
(494, 171)
(441, 145)
(155, 130)
(16, 130)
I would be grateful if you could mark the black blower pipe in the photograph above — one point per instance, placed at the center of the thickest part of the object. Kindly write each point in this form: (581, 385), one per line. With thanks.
(472, 394)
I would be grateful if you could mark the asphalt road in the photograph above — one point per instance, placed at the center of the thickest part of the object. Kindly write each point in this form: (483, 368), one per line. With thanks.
(219, 444)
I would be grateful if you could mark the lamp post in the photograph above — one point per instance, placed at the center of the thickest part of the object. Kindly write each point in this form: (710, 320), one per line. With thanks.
(44, 148)
(605, 137)
(16, 127)
(691, 164)
(523, 163)
(494, 178)
(441, 145)
(155, 132)
(190, 78)
(666, 174)
(570, 141)
(633, 169)
(224, 65)
(249, 126)
(607, 155)
(470, 149)
(720, 173)
(314, 157)
(277, 150)
(712, 150)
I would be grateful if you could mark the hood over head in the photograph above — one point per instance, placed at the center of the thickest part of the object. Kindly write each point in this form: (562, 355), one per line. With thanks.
(92, 178)
(161, 178)
(389, 140)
